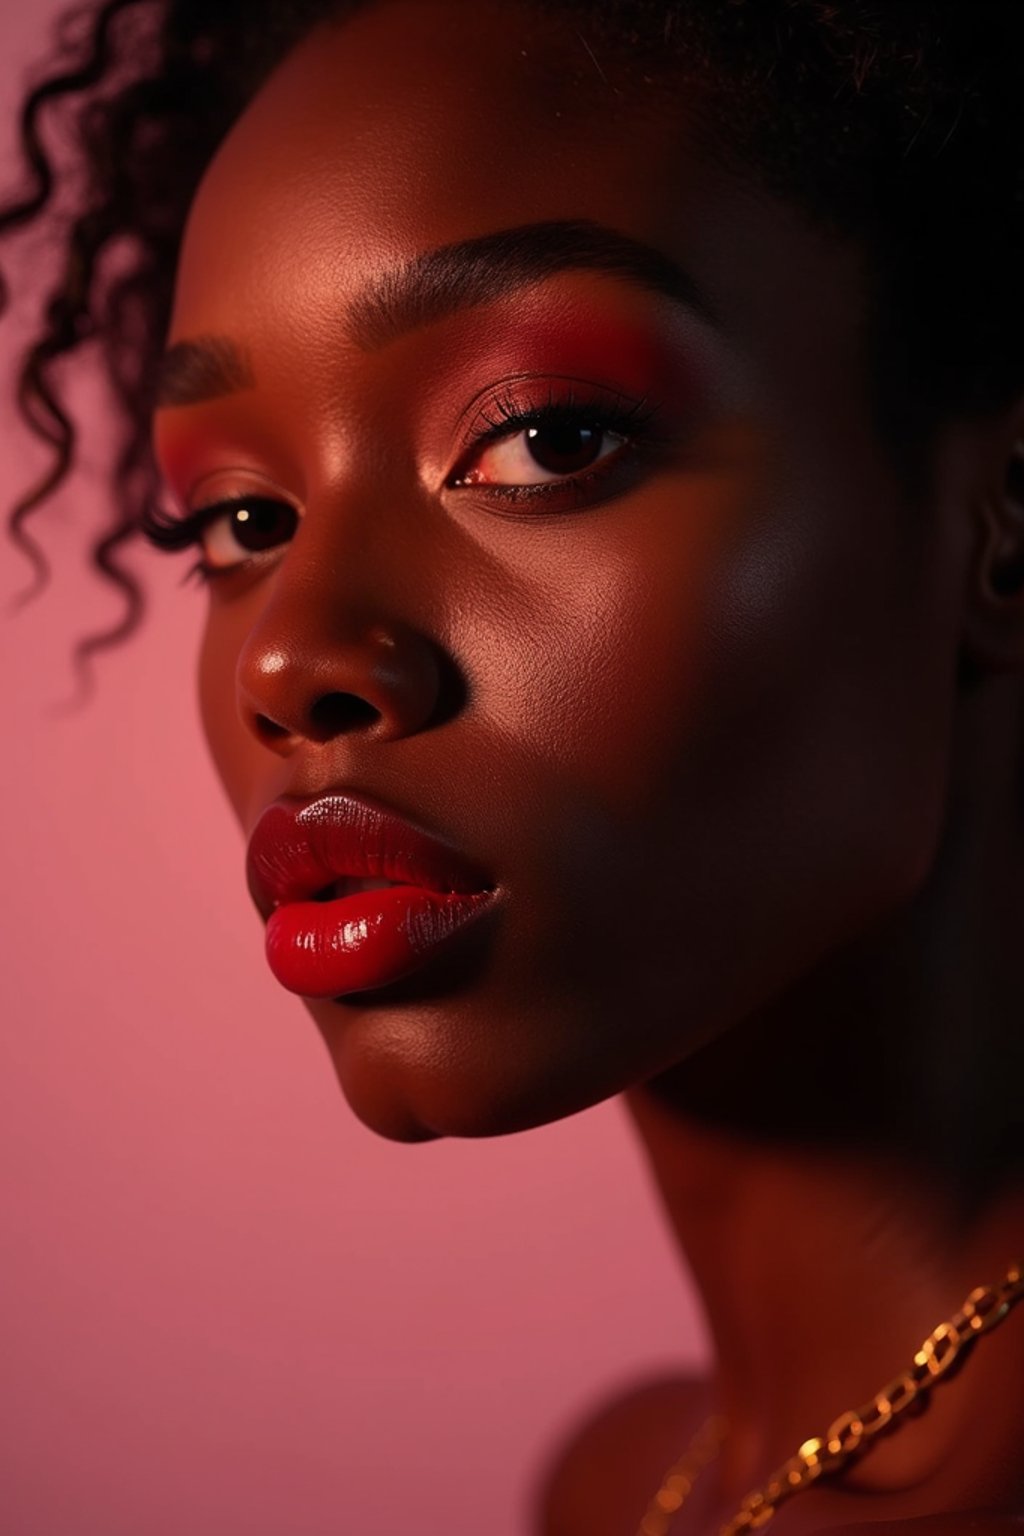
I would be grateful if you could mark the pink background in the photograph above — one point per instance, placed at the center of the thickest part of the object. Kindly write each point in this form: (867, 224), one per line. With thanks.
(227, 1307)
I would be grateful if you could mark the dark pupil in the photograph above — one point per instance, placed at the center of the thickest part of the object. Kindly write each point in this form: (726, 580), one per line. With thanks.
(261, 524)
(563, 447)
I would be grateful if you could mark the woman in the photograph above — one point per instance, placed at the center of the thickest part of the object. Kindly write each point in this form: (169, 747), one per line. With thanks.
(602, 432)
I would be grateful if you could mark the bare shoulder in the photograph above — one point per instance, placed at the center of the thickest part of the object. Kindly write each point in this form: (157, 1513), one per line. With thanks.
(981, 1522)
(611, 1459)
(606, 1465)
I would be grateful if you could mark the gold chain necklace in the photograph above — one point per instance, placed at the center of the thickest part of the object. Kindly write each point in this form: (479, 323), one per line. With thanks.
(851, 1434)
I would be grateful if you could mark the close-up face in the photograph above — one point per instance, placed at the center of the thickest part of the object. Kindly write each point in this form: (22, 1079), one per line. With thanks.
(576, 549)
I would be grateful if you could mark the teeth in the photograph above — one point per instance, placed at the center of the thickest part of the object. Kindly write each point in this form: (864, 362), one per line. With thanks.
(346, 885)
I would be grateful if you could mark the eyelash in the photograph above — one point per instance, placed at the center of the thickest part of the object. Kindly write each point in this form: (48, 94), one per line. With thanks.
(630, 421)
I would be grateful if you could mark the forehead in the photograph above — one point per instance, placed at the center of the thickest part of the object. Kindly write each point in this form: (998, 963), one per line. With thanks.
(413, 124)
(426, 115)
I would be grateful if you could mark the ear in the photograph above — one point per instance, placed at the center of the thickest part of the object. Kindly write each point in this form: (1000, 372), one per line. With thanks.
(993, 632)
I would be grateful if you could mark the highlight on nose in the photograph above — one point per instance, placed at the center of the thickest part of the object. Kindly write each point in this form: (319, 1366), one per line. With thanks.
(385, 682)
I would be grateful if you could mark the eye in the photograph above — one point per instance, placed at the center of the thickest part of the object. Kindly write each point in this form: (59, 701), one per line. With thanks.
(230, 533)
(524, 450)
(538, 454)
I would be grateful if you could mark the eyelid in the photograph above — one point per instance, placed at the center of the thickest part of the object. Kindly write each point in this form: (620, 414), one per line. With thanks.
(621, 416)
(499, 413)
(234, 483)
(175, 531)
(534, 393)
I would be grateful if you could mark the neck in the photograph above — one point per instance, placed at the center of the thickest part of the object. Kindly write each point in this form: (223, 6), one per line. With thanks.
(830, 1167)
(820, 1276)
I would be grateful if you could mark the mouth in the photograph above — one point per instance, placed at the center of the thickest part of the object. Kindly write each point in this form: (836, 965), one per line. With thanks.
(357, 940)
(351, 885)
(354, 896)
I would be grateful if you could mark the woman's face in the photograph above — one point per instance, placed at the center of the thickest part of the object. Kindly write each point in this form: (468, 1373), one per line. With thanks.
(688, 704)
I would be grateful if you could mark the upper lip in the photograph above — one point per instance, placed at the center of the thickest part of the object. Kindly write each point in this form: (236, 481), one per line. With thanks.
(300, 846)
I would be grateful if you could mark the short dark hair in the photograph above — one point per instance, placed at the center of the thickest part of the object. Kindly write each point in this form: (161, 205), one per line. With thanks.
(898, 123)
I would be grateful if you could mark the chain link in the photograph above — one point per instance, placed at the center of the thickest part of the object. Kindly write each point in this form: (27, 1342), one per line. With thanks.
(852, 1433)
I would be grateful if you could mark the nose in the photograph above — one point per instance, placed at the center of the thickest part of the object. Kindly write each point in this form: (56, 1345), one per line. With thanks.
(311, 669)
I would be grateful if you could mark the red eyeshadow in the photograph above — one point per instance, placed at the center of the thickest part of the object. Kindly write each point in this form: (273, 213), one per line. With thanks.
(628, 356)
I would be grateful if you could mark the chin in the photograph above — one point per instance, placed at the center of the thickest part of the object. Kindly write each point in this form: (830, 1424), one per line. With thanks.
(450, 1067)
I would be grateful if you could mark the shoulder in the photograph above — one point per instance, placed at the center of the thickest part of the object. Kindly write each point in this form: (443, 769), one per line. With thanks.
(613, 1455)
(609, 1459)
(981, 1522)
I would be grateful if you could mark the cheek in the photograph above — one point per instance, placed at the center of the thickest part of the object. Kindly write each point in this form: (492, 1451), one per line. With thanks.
(746, 707)
(231, 747)
(617, 653)
(776, 638)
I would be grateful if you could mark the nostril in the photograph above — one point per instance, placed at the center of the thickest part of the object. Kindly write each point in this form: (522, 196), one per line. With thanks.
(333, 714)
(337, 712)
(270, 729)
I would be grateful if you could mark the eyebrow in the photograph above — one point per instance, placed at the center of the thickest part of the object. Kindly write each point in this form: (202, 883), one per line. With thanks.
(443, 282)
(454, 277)
(203, 368)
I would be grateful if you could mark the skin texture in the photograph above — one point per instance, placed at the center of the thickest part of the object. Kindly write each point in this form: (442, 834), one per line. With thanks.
(757, 839)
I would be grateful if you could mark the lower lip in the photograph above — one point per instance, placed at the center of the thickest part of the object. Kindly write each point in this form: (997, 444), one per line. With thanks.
(367, 939)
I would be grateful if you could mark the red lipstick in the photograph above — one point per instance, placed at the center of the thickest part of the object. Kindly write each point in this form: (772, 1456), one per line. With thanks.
(354, 896)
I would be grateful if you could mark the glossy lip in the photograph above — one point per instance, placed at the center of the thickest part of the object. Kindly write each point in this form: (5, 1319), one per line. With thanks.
(300, 846)
(324, 945)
